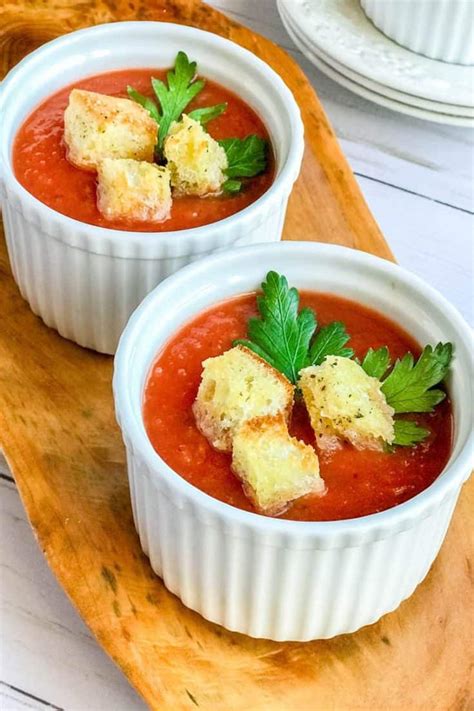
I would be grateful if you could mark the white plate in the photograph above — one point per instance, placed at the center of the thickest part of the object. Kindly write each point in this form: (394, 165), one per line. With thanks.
(399, 96)
(381, 99)
(341, 30)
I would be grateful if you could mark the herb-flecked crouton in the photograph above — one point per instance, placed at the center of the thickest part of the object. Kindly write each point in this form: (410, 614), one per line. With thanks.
(97, 126)
(345, 403)
(237, 386)
(275, 468)
(196, 160)
(134, 190)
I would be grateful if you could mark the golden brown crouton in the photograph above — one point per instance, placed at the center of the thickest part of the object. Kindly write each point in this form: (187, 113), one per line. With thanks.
(195, 159)
(345, 403)
(275, 468)
(237, 386)
(97, 126)
(134, 190)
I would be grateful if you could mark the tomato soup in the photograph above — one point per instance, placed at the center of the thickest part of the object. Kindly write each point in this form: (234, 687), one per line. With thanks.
(41, 166)
(358, 482)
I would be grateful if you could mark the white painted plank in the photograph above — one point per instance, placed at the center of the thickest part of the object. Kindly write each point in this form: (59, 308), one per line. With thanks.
(14, 700)
(45, 648)
(4, 467)
(431, 240)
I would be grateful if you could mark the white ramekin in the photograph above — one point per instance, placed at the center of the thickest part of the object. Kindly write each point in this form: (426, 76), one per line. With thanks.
(440, 29)
(83, 280)
(287, 580)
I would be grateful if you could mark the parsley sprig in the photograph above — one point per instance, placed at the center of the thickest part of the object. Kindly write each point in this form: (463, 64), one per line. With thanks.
(182, 87)
(282, 336)
(207, 113)
(410, 385)
(246, 158)
(290, 340)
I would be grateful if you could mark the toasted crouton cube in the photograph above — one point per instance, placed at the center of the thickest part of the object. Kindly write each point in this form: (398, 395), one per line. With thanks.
(275, 468)
(345, 403)
(235, 387)
(134, 190)
(97, 126)
(195, 159)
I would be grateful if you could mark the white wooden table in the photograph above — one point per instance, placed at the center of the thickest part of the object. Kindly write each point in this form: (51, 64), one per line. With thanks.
(417, 178)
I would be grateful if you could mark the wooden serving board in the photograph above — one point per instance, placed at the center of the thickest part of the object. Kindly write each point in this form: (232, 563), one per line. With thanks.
(58, 432)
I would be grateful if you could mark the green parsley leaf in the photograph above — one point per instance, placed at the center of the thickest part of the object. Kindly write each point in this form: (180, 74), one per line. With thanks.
(246, 157)
(146, 102)
(329, 340)
(282, 335)
(181, 90)
(407, 388)
(232, 186)
(376, 362)
(173, 99)
(204, 115)
(408, 433)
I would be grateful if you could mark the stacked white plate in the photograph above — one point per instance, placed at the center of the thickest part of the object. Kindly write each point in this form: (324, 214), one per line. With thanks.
(338, 38)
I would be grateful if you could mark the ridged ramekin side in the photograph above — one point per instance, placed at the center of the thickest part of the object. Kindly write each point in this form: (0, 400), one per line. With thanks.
(441, 30)
(266, 585)
(88, 297)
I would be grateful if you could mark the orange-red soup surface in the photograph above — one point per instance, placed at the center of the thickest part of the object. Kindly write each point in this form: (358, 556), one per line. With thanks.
(358, 482)
(41, 166)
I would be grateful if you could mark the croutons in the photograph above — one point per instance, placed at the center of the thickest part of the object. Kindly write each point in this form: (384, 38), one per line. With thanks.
(345, 403)
(275, 468)
(237, 386)
(97, 126)
(134, 190)
(196, 160)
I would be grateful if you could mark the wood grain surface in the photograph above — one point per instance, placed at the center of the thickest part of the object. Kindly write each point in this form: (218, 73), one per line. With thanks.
(58, 432)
